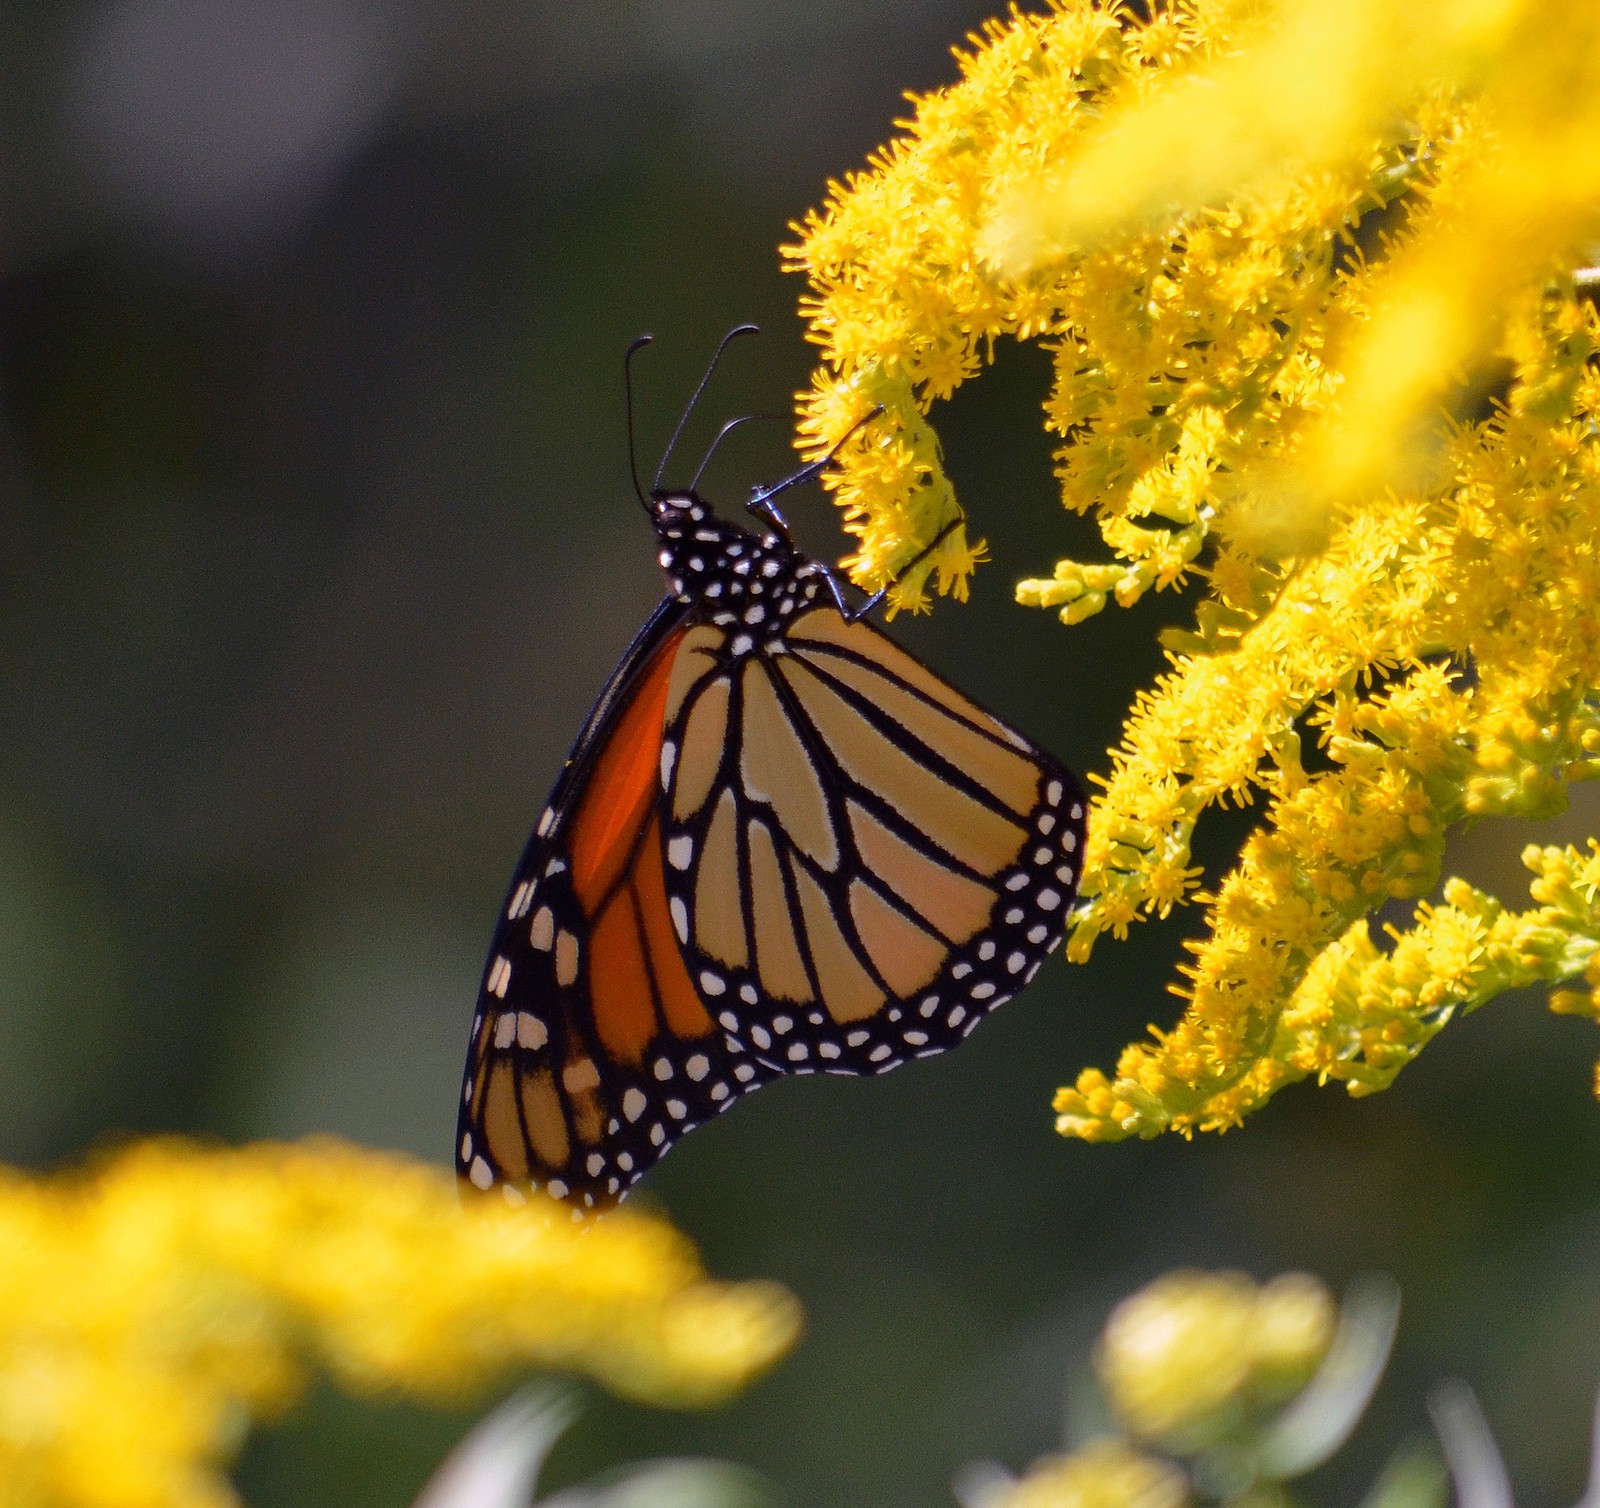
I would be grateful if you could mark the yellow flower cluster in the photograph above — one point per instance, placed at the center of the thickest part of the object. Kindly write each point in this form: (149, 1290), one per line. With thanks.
(151, 1308)
(1309, 275)
(1193, 1356)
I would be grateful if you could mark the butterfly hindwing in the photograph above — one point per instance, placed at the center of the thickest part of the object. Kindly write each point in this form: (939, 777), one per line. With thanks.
(861, 862)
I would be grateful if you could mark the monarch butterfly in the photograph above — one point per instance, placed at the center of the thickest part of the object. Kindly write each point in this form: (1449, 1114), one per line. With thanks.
(780, 845)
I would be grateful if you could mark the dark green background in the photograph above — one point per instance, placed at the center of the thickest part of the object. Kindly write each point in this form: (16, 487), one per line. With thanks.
(317, 539)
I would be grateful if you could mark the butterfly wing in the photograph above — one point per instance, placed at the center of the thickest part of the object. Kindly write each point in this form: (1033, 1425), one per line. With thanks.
(591, 1051)
(861, 862)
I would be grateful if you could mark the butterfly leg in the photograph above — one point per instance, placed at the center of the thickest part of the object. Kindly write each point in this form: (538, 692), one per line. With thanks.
(856, 614)
(761, 505)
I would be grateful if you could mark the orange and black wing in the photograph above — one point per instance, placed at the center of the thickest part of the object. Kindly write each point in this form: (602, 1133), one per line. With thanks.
(591, 1049)
(861, 862)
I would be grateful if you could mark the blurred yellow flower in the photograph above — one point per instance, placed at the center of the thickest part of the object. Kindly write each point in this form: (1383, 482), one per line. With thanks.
(1196, 1355)
(1311, 276)
(151, 1308)
(1104, 1474)
(1248, 1385)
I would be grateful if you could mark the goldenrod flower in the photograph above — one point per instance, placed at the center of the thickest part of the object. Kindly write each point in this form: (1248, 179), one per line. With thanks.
(150, 1309)
(1196, 1355)
(1283, 254)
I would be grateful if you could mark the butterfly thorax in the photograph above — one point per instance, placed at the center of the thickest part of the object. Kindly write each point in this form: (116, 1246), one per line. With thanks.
(733, 575)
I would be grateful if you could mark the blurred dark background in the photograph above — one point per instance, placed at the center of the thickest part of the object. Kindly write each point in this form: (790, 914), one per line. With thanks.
(318, 540)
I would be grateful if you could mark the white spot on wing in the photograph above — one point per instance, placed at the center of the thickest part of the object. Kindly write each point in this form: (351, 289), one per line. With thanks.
(566, 958)
(499, 976)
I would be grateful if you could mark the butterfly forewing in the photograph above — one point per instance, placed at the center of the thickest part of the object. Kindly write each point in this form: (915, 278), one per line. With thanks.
(591, 1050)
(861, 862)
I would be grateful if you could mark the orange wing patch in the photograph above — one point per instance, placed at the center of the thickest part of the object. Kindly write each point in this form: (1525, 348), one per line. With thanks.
(622, 788)
(593, 1051)
(637, 981)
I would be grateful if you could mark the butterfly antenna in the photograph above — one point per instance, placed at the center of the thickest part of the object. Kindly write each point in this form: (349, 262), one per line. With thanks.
(677, 434)
(722, 434)
(627, 387)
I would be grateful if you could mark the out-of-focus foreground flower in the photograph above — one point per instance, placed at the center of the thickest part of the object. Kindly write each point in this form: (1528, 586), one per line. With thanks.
(1186, 1360)
(151, 1308)
(1219, 1389)
(1311, 278)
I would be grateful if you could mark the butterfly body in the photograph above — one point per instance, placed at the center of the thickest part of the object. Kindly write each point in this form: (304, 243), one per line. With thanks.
(727, 575)
(781, 845)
